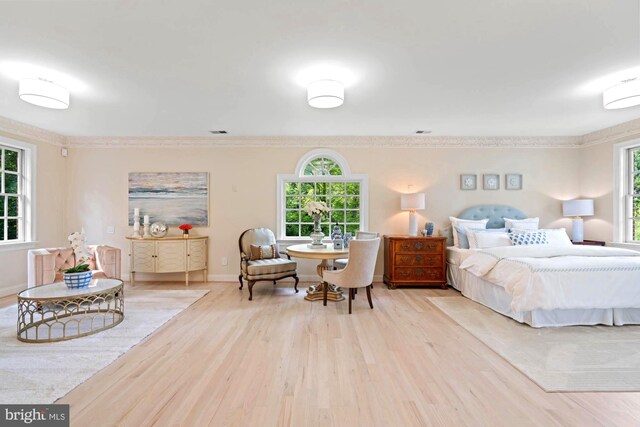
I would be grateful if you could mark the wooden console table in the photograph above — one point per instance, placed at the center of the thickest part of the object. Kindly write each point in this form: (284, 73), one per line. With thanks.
(168, 255)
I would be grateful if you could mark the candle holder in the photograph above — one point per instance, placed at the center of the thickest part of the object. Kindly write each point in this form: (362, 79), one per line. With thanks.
(146, 234)
(136, 227)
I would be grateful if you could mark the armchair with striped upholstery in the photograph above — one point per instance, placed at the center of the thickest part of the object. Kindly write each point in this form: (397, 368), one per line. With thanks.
(255, 268)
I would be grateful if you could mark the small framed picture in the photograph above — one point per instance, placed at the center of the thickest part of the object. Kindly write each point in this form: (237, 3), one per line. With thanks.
(491, 181)
(513, 181)
(337, 243)
(468, 182)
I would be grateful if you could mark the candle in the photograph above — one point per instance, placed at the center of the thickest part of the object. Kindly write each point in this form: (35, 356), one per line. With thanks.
(136, 211)
(146, 219)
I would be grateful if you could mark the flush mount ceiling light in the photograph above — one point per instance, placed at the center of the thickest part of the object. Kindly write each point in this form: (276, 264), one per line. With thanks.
(325, 94)
(44, 93)
(623, 95)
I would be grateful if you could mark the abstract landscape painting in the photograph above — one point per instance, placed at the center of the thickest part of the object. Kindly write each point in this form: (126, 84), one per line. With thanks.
(173, 198)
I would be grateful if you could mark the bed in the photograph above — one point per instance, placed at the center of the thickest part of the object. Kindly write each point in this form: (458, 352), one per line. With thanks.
(547, 286)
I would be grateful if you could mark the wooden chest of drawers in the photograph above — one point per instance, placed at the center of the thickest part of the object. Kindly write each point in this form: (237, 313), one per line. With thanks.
(415, 261)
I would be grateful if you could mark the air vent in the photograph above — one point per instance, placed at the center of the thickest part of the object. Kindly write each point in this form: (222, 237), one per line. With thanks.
(422, 132)
(218, 132)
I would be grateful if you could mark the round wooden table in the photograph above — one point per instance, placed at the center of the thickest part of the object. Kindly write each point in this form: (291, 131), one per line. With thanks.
(325, 254)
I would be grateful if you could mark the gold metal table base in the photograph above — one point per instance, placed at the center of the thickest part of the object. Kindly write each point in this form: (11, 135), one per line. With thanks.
(314, 293)
(65, 318)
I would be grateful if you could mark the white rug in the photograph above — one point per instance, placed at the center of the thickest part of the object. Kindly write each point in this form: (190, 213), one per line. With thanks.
(571, 358)
(42, 373)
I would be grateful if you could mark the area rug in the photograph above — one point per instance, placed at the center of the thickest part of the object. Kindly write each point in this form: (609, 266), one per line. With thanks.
(570, 358)
(42, 373)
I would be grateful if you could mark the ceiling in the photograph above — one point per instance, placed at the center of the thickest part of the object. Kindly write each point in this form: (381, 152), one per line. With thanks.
(456, 67)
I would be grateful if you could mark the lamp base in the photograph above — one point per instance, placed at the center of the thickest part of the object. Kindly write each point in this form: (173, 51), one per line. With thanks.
(577, 230)
(413, 223)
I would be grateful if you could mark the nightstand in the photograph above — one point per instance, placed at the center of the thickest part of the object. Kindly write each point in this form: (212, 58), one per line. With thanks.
(415, 261)
(590, 243)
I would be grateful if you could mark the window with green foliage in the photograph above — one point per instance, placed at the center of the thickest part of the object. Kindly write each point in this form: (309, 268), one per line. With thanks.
(11, 194)
(324, 177)
(633, 192)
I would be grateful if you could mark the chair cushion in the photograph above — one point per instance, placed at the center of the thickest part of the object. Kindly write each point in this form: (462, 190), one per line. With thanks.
(264, 252)
(270, 266)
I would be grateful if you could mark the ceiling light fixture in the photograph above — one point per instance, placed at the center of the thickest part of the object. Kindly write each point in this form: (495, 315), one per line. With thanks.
(623, 95)
(218, 132)
(421, 132)
(325, 94)
(43, 93)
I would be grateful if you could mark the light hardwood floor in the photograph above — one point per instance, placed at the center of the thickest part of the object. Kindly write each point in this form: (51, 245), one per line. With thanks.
(280, 360)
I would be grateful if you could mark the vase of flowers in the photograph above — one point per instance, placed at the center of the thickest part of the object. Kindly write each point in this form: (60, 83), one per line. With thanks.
(316, 210)
(185, 230)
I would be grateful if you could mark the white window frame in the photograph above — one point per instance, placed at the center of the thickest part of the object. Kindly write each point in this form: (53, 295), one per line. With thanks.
(27, 185)
(298, 176)
(622, 202)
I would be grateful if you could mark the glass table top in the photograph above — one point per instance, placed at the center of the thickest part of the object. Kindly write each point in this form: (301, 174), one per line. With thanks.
(60, 290)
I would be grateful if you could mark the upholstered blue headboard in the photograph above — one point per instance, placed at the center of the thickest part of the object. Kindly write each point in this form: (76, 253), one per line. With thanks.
(495, 214)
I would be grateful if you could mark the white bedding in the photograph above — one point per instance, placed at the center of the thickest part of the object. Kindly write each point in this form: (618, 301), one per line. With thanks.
(557, 277)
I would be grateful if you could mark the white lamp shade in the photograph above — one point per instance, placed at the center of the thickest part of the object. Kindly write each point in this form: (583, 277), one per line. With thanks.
(325, 94)
(412, 202)
(623, 95)
(44, 94)
(580, 207)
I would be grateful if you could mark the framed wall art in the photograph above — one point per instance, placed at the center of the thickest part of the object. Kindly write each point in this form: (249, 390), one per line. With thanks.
(513, 181)
(172, 198)
(491, 181)
(468, 182)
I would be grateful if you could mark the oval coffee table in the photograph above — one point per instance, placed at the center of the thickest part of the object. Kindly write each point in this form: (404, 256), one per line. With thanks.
(55, 312)
(325, 254)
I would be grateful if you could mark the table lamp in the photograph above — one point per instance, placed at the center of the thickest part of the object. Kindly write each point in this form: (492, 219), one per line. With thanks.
(412, 202)
(577, 209)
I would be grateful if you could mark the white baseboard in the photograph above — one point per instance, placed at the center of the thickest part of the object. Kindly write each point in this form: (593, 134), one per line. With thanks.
(12, 290)
(229, 278)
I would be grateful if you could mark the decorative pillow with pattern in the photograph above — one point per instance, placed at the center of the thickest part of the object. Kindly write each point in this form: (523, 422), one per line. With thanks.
(530, 238)
(264, 252)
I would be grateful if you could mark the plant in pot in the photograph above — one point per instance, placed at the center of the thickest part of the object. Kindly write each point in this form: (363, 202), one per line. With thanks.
(78, 276)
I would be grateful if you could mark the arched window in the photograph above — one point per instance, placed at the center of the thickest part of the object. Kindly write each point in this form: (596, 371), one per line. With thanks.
(321, 175)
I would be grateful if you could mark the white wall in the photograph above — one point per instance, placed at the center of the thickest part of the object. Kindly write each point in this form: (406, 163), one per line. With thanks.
(98, 196)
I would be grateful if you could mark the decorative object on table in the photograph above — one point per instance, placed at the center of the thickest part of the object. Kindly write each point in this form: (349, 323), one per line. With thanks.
(491, 181)
(337, 232)
(468, 182)
(338, 243)
(146, 225)
(185, 230)
(316, 210)
(513, 181)
(428, 229)
(78, 276)
(175, 197)
(158, 230)
(347, 237)
(412, 202)
(577, 209)
(136, 223)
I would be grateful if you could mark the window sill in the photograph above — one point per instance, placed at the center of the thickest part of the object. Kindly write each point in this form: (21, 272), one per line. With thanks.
(625, 245)
(17, 246)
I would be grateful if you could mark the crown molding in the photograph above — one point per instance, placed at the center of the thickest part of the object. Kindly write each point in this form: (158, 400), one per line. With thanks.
(22, 131)
(618, 133)
(328, 141)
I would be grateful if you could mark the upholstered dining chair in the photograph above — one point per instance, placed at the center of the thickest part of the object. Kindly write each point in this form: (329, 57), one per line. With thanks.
(261, 260)
(359, 270)
(360, 235)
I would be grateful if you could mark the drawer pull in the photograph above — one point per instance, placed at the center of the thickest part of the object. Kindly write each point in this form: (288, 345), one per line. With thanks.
(404, 273)
(419, 245)
(418, 258)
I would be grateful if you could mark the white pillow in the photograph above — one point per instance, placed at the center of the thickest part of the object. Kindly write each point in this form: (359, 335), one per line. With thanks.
(555, 236)
(522, 224)
(465, 223)
(483, 240)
